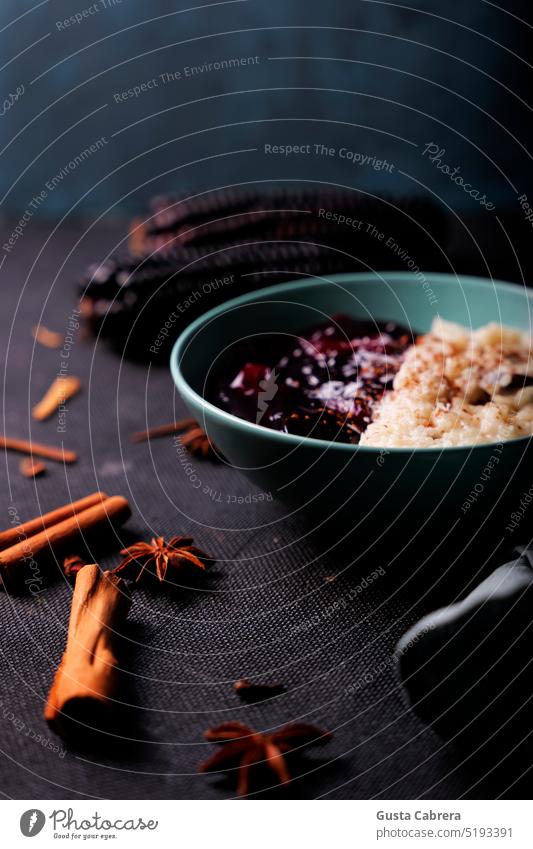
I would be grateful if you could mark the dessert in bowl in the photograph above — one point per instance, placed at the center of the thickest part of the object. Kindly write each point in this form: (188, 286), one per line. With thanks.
(371, 383)
(360, 396)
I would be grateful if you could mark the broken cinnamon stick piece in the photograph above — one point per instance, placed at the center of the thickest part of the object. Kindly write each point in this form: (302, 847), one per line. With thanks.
(56, 396)
(19, 532)
(136, 237)
(31, 468)
(250, 692)
(36, 449)
(163, 430)
(82, 697)
(46, 337)
(58, 539)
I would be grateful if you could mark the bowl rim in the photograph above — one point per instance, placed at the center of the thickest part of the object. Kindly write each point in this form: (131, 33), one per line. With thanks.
(365, 278)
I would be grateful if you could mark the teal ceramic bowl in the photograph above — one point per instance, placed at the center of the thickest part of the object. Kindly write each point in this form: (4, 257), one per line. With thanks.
(368, 487)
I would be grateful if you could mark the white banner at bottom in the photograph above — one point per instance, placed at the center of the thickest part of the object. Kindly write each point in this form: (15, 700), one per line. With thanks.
(268, 824)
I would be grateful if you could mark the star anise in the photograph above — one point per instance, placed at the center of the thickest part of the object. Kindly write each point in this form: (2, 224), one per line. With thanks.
(250, 751)
(144, 560)
(197, 441)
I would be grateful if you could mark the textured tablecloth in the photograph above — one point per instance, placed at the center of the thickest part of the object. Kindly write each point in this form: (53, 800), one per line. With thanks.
(265, 611)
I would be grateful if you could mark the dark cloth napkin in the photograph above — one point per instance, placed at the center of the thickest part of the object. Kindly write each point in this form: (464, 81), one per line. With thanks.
(467, 669)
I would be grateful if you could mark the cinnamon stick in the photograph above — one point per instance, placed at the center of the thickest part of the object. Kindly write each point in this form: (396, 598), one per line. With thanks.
(60, 455)
(58, 539)
(46, 337)
(163, 430)
(57, 394)
(85, 686)
(136, 236)
(31, 468)
(26, 529)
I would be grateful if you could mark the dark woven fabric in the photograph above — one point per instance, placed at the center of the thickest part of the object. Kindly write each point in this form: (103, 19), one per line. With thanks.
(265, 611)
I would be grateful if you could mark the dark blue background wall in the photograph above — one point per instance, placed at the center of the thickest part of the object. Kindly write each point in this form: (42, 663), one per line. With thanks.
(376, 78)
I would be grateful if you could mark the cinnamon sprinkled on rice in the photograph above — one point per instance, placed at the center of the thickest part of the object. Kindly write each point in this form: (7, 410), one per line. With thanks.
(458, 387)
